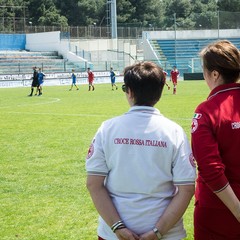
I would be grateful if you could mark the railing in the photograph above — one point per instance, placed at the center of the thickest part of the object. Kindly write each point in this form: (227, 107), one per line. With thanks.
(218, 20)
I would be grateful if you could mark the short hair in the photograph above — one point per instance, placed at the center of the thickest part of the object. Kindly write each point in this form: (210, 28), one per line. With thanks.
(146, 80)
(223, 57)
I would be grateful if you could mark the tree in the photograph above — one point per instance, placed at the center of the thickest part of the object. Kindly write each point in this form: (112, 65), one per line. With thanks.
(44, 12)
(144, 13)
(51, 17)
(164, 14)
(125, 10)
(12, 14)
(229, 5)
(204, 14)
(89, 11)
(82, 12)
(182, 10)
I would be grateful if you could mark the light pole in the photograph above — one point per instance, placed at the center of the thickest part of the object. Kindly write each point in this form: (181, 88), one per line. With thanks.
(114, 18)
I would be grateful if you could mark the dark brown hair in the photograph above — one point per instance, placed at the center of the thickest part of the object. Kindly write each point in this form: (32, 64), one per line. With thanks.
(223, 57)
(146, 80)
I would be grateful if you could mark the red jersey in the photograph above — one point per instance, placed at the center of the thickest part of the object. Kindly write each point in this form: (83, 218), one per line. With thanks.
(90, 76)
(216, 144)
(174, 75)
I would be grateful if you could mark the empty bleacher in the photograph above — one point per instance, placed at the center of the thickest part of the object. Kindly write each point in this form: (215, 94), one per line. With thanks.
(182, 52)
(12, 62)
(21, 62)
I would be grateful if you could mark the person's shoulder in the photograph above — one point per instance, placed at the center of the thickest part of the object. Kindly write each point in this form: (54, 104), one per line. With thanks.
(113, 121)
(203, 108)
(171, 125)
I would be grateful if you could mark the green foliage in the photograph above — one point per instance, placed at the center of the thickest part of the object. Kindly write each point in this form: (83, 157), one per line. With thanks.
(137, 13)
(125, 10)
(44, 141)
(51, 17)
(229, 5)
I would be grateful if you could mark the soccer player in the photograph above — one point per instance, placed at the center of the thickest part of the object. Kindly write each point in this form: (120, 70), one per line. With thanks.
(113, 78)
(215, 144)
(74, 79)
(41, 76)
(165, 73)
(140, 172)
(34, 81)
(90, 80)
(174, 74)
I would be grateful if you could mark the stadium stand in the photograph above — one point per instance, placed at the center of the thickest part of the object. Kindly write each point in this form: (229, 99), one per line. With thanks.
(18, 54)
(182, 52)
(23, 61)
(12, 62)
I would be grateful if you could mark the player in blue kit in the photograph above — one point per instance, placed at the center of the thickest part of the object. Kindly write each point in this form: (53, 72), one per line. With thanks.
(74, 80)
(113, 78)
(41, 76)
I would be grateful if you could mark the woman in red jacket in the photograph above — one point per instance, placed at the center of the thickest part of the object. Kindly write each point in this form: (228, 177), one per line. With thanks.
(216, 146)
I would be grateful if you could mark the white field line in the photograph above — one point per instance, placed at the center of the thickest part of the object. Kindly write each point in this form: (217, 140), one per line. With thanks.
(62, 114)
(66, 114)
(34, 104)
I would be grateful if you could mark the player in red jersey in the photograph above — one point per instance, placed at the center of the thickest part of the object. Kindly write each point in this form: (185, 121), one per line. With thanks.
(90, 80)
(174, 77)
(215, 145)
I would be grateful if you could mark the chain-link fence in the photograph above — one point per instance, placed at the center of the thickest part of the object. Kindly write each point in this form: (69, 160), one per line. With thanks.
(196, 21)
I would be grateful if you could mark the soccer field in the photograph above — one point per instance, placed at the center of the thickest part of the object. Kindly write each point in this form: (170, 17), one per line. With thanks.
(44, 141)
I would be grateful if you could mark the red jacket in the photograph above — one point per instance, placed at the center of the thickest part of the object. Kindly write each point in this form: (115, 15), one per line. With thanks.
(216, 144)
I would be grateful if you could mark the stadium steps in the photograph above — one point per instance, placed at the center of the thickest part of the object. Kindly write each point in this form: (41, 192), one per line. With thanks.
(157, 49)
(181, 52)
(14, 62)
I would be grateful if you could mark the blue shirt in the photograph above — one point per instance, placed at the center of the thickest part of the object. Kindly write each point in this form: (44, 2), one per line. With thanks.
(40, 77)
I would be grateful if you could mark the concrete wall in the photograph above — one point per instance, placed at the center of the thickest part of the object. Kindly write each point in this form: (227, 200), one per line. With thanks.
(104, 45)
(190, 34)
(148, 51)
(12, 41)
(51, 41)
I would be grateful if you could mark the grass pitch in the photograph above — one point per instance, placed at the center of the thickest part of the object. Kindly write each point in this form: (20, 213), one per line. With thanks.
(44, 141)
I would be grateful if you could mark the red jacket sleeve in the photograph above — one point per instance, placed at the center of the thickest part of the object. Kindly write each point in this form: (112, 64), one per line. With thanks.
(205, 150)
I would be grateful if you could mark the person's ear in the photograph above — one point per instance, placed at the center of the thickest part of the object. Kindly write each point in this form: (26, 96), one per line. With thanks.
(215, 75)
(130, 93)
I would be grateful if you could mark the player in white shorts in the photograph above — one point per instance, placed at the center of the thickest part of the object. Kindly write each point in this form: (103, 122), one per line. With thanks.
(141, 173)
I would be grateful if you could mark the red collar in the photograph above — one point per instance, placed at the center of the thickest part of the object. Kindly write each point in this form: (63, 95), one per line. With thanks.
(223, 88)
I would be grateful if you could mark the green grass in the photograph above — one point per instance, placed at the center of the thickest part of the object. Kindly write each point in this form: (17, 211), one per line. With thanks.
(44, 141)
